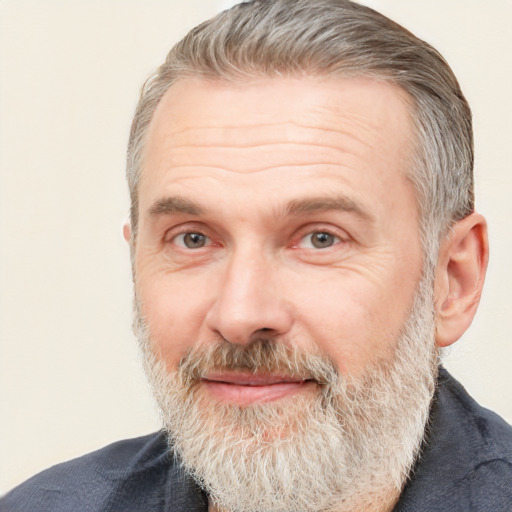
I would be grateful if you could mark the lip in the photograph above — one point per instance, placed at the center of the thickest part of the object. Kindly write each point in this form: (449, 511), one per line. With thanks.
(248, 388)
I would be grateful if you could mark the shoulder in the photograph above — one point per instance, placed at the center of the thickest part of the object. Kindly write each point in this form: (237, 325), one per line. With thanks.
(466, 463)
(477, 434)
(90, 482)
(483, 449)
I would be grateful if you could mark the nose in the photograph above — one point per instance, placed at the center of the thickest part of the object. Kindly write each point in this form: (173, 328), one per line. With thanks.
(250, 302)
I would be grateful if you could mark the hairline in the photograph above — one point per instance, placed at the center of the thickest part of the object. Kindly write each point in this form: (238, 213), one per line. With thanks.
(333, 38)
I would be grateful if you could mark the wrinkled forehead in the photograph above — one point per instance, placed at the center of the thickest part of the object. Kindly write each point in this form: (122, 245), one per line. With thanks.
(281, 138)
(259, 111)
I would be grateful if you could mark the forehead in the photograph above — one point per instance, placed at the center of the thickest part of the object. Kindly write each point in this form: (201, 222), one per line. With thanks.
(258, 135)
(218, 104)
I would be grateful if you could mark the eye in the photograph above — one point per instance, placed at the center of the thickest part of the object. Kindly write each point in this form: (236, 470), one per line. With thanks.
(319, 240)
(191, 240)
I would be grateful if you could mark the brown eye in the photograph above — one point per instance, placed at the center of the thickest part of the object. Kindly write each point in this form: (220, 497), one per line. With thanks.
(319, 240)
(322, 240)
(191, 240)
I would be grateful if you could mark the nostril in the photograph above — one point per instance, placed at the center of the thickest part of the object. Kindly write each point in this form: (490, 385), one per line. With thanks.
(264, 333)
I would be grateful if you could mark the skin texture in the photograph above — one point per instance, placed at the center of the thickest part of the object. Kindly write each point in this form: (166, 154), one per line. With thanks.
(257, 169)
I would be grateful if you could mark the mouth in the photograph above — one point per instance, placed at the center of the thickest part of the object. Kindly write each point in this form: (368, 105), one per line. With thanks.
(247, 388)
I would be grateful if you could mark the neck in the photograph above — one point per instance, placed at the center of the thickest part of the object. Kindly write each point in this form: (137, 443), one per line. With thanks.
(385, 504)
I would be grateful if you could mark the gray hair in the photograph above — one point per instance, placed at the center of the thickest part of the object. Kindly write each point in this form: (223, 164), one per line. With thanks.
(336, 38)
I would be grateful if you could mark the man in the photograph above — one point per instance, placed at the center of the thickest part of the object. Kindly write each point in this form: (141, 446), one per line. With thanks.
(303, 241)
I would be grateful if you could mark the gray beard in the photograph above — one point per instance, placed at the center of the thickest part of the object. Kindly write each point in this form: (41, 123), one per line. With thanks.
(350, 447)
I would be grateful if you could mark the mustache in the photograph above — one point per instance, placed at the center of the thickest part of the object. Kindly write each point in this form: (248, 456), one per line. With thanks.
(261, 355)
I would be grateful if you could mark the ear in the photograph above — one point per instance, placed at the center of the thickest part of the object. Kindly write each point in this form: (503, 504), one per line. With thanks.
(127, 231)
(460, 274)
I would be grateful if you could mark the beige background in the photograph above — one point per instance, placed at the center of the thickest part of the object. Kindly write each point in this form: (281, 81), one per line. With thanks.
(70, 71)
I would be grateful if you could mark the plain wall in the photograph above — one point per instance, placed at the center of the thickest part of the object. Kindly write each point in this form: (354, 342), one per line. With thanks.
(70, 72)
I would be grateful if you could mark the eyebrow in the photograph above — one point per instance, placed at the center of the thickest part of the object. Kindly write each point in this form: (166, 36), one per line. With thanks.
(176, 205)
(325, 204)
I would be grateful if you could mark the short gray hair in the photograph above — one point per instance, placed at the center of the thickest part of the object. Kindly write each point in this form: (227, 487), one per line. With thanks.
(275, 38)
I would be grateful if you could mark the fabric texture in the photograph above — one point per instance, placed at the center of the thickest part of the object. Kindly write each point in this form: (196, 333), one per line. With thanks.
(465, 466)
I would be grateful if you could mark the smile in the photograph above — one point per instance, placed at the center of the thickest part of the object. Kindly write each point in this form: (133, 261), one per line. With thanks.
(247, 388)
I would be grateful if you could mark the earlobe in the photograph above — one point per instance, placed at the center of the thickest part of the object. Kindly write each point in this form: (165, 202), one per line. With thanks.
(460, 274)
(127, 231)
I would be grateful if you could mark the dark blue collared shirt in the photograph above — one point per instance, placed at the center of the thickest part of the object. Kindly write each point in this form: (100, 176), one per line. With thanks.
(465, 466)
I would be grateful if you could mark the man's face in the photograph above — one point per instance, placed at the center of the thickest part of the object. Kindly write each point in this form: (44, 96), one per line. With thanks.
(286, 327)
(278, 209)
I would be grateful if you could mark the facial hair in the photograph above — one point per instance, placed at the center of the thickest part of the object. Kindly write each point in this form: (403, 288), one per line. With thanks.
(343, 449)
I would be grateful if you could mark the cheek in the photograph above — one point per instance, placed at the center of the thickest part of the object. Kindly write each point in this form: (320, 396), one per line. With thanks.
(174, 309)
(352, 321)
